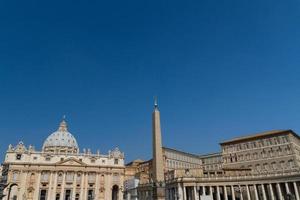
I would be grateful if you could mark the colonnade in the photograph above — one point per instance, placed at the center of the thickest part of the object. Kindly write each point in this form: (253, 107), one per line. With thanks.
(251, 191)
(76, 188)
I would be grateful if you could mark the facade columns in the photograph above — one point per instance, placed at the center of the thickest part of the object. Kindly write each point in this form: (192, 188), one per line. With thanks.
(255, 190)
(74, 185)
(62, 192)
(23, 185)
(184, 192)
(82, 186)
(49, 193)
(241, 193)
(264, 192)
(180, 192)
(279, 191)
(97, 186)
(296, 190)
(37, 186)
(287, 188)
(54, 186)
(232, 192)
(86, 183)
(272, 192)
(218, 192)
(210, 190)
(248, 192)
(196, 196)
(225, 192)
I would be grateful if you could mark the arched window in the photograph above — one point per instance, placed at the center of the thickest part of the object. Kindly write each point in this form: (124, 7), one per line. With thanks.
(115, 191)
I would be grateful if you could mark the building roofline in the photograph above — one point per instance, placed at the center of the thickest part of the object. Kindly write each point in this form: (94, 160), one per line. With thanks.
(210, 154)
(183, 152)
(259, 135)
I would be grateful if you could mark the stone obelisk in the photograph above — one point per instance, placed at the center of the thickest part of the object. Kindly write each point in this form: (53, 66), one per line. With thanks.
(157, 165)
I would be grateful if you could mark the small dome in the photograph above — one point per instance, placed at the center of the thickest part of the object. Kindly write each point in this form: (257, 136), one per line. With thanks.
(61, 141)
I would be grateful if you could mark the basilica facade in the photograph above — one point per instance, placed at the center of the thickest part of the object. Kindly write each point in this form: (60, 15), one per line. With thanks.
(61, 172)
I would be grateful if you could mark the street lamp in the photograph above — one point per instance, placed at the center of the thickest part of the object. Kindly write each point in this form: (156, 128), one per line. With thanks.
(9, 190)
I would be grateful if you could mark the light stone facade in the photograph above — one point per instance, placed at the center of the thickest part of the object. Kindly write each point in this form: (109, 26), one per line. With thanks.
(240, 178)
(61, 172)
(264, 166)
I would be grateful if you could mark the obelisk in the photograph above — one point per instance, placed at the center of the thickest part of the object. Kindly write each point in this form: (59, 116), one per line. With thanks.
(158, 166)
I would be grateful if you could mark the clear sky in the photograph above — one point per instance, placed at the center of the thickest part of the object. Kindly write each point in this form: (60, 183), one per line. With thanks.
(220, 69)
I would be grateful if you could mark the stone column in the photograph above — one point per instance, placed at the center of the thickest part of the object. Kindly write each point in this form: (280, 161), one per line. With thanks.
(296, 190)
(218, 193)
(62, 192)
(279, 191)
(49, 193)
(97, 187)
(264, 192)
(22, 184)
(287, 188)
(85, 193)
(241, 193)
(196, 193)
(272, 192)
(37, 186)
(180, 192)
(225, 192)
(232, 192)
(255, 191)
(54, 186)
(184, 192)
(74, 186)
(82, 186)
(210, 190)
(248, 192)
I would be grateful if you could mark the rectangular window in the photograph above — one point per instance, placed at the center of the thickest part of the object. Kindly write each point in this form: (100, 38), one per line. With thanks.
(90, 194)
(68, 195)
(116, 161)
(43, 195)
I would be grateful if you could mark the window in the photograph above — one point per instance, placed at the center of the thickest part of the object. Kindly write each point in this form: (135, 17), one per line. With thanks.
(90, 194)
(68, 195)
(18, 156)
(15, 176)
(116, 161)
(47, 158)
(45, 176)
(43, 194)
(57, 197)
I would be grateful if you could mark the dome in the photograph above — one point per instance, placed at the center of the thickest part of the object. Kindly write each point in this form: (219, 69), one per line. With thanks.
(61, 141)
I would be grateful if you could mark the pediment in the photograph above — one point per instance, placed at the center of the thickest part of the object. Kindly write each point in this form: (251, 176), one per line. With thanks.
(71, 162)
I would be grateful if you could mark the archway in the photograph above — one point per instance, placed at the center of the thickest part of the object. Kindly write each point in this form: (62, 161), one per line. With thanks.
(115, 191)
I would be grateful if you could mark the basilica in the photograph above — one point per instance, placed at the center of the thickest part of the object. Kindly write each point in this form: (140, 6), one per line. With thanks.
(61, 172)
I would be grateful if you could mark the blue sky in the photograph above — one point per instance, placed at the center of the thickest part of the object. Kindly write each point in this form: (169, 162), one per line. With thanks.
(220, 69)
